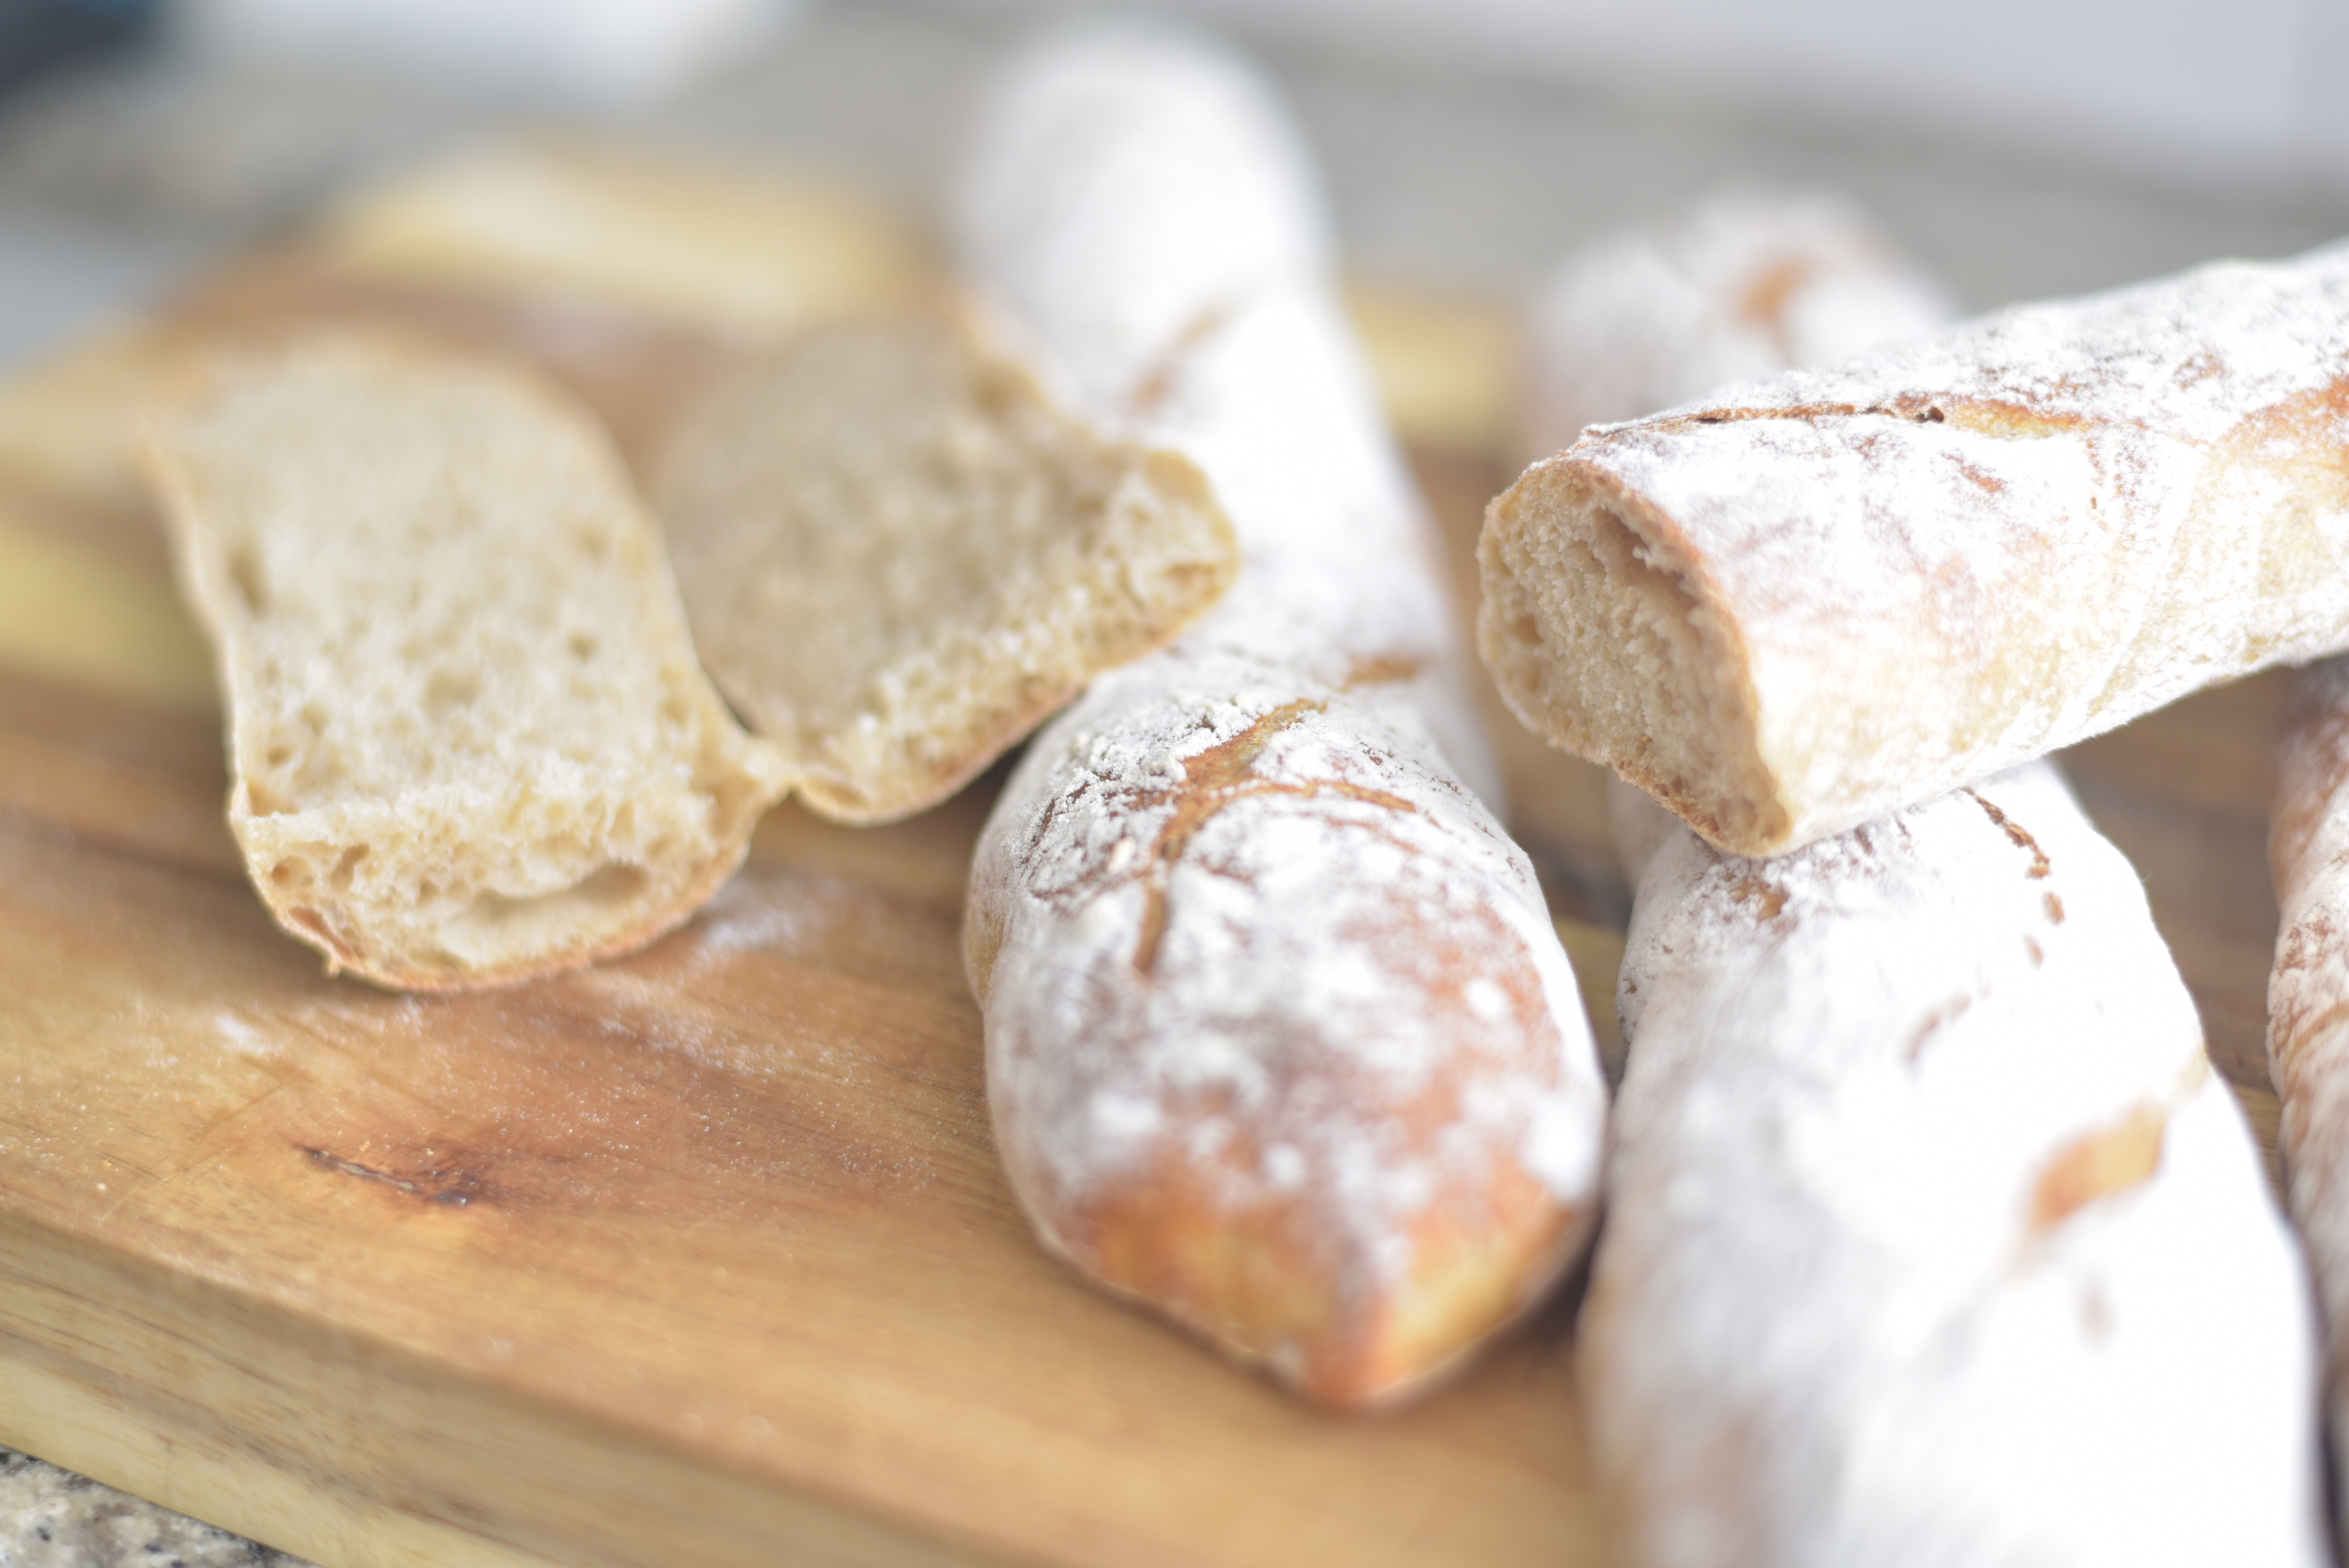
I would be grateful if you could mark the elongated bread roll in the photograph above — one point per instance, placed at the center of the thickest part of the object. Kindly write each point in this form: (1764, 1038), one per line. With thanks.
(1931, 1237)
(1280, 1037)
(2308, 1004)
(1793, 606)
(469, 737)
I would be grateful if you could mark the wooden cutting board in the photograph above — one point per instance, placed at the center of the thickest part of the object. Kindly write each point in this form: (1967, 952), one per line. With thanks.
(701, 1256)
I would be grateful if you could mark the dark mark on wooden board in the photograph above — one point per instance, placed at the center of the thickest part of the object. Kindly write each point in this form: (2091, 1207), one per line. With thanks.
(451, 1188)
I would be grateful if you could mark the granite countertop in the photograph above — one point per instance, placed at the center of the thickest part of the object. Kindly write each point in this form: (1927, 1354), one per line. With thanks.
(51, 1518)
(120, 179)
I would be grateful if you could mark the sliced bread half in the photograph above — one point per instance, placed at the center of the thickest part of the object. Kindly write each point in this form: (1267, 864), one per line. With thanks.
(899, 557)
(470, 741)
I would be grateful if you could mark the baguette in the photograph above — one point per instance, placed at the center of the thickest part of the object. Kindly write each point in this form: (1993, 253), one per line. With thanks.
(1932, 1236)
(469, 741)
(898, 558)
(1280, 1038)
(2037, 525)
(2308, 1003)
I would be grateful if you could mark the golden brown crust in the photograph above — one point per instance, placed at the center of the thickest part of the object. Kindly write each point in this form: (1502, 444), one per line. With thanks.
(1266, 1286)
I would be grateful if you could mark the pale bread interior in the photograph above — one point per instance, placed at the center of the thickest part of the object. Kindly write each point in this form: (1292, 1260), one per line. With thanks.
(1599, 641)
(898, 557)
(471, 741)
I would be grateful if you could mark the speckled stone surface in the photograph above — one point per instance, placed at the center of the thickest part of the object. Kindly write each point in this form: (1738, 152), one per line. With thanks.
(51, 1518)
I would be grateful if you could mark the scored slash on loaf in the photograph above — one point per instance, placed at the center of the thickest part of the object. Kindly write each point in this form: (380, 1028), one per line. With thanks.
(1280, 1037)
(1797, 605)
(469, 737)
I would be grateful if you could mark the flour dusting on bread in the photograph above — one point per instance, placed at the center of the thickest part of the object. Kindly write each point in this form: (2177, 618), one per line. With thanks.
(1928, 1219)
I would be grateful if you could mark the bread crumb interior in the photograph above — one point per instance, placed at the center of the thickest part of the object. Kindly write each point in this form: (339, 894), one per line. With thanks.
(1600, 644)
(897, 557)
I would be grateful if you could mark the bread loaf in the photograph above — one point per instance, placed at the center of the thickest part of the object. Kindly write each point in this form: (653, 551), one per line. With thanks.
(2308, 1004)
(898, 558)
(1280, 1037)
(1930, 1235)
(469, 741)
(1791, 607)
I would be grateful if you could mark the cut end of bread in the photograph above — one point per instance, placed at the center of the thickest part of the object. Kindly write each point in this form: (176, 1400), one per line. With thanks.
(1272, 1287)
(469, 739)
(1597, 633)
(898, 558)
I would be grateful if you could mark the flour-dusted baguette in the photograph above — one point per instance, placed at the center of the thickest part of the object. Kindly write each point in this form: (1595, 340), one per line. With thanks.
(1931, 1237)
(468, 739)
(1743, 284)
(898, 558)
(1791, 607)
(1280, 1037)
(2308, 1005)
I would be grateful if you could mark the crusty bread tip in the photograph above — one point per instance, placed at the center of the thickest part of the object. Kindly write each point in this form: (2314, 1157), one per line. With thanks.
(468, 739)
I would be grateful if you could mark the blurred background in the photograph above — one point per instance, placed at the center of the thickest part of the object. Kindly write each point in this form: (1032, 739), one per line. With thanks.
(2021, 147)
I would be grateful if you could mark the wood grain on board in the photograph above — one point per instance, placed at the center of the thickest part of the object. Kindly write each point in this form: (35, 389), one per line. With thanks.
(701, 1256)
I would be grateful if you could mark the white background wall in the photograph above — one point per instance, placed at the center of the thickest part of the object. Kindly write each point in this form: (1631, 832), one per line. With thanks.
(2196, 90)
(2201, 91)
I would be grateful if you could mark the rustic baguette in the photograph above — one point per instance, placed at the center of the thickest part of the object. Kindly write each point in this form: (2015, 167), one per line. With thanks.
(1932, 1236)
(1791, 607)
(468, 739)
(2308, 1005)
(1280, 1037)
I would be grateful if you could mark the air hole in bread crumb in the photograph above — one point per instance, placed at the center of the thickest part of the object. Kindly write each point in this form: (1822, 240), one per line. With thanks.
(244, 576)
(495, 925)
(448, 690)
(583, 646)
(346, 865)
